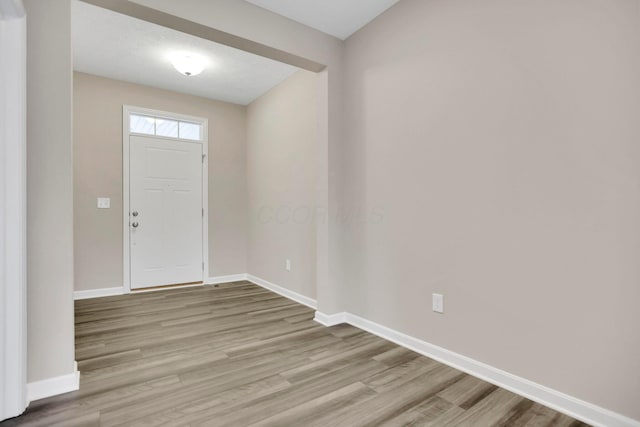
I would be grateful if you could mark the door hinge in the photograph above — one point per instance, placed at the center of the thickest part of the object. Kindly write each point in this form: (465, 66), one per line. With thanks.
(202, 265)
(203, 157)
(203, 212)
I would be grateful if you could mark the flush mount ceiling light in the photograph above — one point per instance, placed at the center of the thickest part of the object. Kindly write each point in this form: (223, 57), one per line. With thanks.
(188, 64)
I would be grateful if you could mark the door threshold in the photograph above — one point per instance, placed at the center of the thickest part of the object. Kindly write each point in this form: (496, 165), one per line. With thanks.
(164, 287)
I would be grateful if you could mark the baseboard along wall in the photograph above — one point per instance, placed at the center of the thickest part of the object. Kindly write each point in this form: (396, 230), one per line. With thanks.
(287, 293)
(280, 290)
(576, 408)
(54, 386)
(561, 402)
(226, 279)
(97, 293)
(107, 292)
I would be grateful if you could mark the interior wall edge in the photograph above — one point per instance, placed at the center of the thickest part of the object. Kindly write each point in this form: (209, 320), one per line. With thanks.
(13, 212)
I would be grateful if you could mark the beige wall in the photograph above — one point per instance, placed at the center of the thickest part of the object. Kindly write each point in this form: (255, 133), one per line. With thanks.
(98, 173)
(244, 20)
(282, 139)
(500, 140)
(50, 338)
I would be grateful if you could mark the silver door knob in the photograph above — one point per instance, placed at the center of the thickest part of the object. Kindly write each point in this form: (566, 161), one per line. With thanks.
(135, 225)
(134, 213)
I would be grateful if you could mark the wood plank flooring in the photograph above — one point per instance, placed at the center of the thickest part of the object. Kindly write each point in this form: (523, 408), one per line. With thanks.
(239, 355)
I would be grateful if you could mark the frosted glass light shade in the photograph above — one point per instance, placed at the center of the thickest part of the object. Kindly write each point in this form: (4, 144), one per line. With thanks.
(189, 65)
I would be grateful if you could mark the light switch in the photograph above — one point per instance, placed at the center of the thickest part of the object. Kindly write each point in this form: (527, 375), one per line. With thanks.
(438, 303)
(104, 203)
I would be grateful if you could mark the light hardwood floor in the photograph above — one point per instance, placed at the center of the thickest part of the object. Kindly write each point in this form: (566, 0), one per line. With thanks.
(239, 355)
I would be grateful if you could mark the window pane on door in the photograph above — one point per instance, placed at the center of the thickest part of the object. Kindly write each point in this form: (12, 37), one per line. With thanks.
(142, 124)
(167, 128)
(190, 131)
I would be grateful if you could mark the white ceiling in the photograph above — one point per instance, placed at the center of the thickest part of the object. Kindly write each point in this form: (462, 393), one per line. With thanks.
(340, 18)
(116, 46)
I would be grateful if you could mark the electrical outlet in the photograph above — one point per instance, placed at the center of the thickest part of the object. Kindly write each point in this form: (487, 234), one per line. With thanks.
(438, 303)
(287, 265)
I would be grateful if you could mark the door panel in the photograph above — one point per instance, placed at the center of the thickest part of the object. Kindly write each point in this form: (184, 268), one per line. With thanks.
(166, 192)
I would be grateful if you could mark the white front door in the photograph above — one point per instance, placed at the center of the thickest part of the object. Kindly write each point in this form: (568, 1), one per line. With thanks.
(166, 212)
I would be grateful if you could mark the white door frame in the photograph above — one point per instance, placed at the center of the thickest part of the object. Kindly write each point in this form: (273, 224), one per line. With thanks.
(13, 210)
(126, 111)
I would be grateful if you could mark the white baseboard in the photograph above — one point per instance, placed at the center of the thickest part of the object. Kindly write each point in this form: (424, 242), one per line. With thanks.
(330, 319)
(107, 292)
(309, 302)
(226, 279)
(53, 386)
(97, 293)
(561, 402)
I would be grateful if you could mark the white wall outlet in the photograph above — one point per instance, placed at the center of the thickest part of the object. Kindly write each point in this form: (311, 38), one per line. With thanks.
(438, 303)
(287, 265)
(104, 203)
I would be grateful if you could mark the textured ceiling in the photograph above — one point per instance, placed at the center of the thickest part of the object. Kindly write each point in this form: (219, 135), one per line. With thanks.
(116, 46)
(340, 18)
